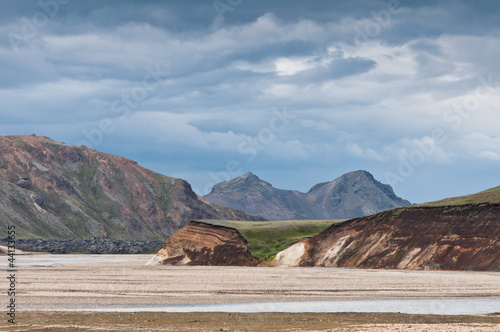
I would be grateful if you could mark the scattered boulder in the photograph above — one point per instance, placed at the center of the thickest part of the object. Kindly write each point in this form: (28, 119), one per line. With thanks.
(39, 201)
(87, 246)
(24, 183)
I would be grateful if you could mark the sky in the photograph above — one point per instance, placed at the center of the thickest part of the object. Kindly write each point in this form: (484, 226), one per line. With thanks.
(296, 92)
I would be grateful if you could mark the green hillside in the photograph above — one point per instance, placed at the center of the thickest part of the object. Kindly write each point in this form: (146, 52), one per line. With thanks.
(54, 190)
(488, 196)
(267, 238)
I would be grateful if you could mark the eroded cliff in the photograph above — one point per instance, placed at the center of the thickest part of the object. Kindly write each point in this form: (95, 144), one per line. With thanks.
(199, 243)
(465, 237)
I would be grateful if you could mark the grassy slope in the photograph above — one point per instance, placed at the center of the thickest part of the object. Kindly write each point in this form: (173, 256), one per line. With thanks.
(267, 238)
(488, 196)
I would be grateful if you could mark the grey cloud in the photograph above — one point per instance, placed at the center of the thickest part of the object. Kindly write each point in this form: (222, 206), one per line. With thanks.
(336, 69)
(394, 88)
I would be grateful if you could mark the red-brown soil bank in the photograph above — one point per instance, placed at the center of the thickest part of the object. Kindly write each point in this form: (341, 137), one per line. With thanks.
(465, 237)
(203, 244)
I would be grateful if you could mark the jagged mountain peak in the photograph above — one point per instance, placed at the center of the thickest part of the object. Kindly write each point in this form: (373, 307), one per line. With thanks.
(248, 177)
(243, 183)
(356, 180)
(353, 194)
(347, 178)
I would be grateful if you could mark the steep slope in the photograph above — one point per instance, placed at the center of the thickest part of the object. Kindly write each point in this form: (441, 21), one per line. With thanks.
(50, 189)
(200, 243)
(352, 195)
(456, 237)
(249, 193)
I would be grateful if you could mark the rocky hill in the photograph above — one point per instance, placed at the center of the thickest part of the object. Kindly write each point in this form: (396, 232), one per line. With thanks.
(249, 193)
(53, 190)
(204, 244)
(352, 195)
(86, 246)
(463, 236)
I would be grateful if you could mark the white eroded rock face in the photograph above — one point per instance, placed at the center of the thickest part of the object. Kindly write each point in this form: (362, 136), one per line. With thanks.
(162, 256)
(158, 259)
(291, 256)
(332, 255)
(461, 237)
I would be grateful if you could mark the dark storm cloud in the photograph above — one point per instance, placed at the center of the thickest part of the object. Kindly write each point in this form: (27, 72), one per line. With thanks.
(364, 82)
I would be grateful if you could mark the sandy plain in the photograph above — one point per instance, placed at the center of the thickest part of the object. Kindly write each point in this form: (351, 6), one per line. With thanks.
(123, 281)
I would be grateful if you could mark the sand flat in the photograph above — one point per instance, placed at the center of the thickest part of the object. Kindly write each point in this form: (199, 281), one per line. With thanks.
(77, 282)
(124, 281)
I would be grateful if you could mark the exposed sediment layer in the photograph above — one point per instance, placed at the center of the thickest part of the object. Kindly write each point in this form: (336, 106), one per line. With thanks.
(203, 244)
(465, 237)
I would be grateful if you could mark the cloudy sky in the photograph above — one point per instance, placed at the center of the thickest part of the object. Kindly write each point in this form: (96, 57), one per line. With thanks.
(296, 92)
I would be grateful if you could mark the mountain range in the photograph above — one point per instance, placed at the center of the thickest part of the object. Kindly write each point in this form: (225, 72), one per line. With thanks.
(54, 190)
(458, 233)
(351, 195)
(50, 189)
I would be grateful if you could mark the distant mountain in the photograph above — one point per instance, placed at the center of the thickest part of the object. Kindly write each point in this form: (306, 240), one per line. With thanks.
(460, 233)
(54, 190)
(352, 195)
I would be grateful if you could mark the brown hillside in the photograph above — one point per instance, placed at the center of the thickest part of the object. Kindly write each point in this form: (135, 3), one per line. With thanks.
(54, 190)
(465, 237)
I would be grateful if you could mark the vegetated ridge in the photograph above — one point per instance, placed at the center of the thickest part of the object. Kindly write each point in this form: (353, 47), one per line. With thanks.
(453, 234)
(351, 195)
(54, 190)
(200, 243)
(267, 238)
(491, 196)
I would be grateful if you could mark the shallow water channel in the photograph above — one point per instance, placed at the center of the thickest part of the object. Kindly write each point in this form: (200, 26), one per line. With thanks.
(469, 306)
(437, 307)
